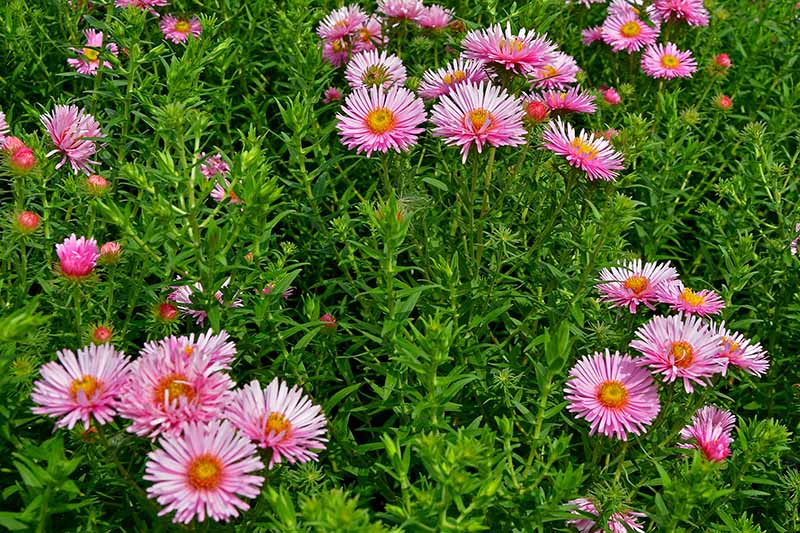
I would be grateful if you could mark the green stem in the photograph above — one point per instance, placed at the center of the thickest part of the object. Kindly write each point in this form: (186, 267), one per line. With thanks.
(126, 476)
(76, 300)
(487, 182)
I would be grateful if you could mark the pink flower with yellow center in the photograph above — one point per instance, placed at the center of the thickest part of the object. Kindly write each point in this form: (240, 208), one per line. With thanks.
(178, 29)
(373, 119)
(77, 257)
(204, 472)
(619, 522)
(89, 61)
(375, 69)
(667, 61)
(694, 12)
(613, 393)
(401, 9)
(478, 114)
(710, 432)
(436, 83)
(573, 100)
(519, 53)
(336, 52)
(368, 35)
(702, 303)
(737, 350)
(593, 155)
(558, 73)
(679, 347)
(629, 33)
(281, 419)
(216, 349)
(73, 132)
(434, 17)
(341, 22)
(632, 284)
(83, 387)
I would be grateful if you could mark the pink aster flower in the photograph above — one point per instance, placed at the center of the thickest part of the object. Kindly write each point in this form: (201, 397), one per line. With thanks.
(436, 83)
(72, 131)
(89, 61)
(520, 53)
(587, 3)
(710, 432)
(591, 35)
(692, 11)
(702, 303)
(183, 295)
(3, 129)
(213, 166)
(204, 473)
(401, 9)
(611, 96)
(336, 52)
(168, 389)
(80, 388)
(368, 35)
(666, 61)
(593, 155)
(341, 22)
(558, 73)
(144, 5)
(282, 419)
(793, 244)
(77, 257)
(573, 100)
(222, 190)
(613, 393)
(435, 17)
(632, 283)
(619, 522)
(178, 29)
(735, 349)
(374, 119)
(679, 347)
(478, 114)
(629, 33)
(216, 349)
(332, 94)
(375, 69)
(623, 8)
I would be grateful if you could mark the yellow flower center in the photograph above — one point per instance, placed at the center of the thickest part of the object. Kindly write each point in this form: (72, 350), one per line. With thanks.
(374, 76)
(513, 44)
(177, 387)
(380, 120)
(630, 29)
(729, 344)
(480, 118)
(548, 71)
(585, 150)
(454, 77)
(636, 283)
(683, 353)
(692, 298)
(278, 423)
(364, 35)
(182, 26)
(91, 54)
(339, 45)
(205, 472)
(670, 61)
(87, 384)
(612, 394)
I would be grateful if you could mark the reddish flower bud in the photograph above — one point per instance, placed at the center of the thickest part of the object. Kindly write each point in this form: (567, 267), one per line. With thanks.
(723, 102)
(12, 144)
(536, 111)
(110, 252)
(723, 60)
(27, 222)
(101, 334)
(249, 257)
(329, 321)
(22, 160)
(166, 312)
(96, 185)
(611, 96)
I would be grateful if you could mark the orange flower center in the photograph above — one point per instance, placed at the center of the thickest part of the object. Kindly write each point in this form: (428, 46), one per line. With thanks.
(380, 120)
(91, 54)
(364, 35)
(374, 76)
(636, 283)
(729, 344)
(630, 29)
(548, 71)
(513, 44)
(182, 26)
(480, 118)
(454, 77)
(612, 394)
(87, 384)
(670, 61)
(339, 45)
(278, 423)
(188, 350)
(692, 298)
(585, 150)
(177, 387)
(683, 353)
(205, 472)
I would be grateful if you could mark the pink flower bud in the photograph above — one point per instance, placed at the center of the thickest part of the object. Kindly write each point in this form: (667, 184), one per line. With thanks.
(97, 185)
(329, 321)
(27, 222)
(611, 96)
(536, 111)
(110, 252)
(22, 160)
(332, 94)
(166, 312)
(723, 102)
(101, 334)
(723, 60)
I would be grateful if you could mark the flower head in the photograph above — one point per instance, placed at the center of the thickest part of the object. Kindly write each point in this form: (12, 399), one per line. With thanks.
(436, 83)
(619, 522)
(102, 334)
(593, 155)
(336, 52)
(710, 432)
(558, 73)
(178, 29)
(574, 100)
(611, 96)
(478, 114)
(702, 303)
(341, 22)
(72, 131)
(535, 110)
(110, 252)
(166, 312)
(26, 222)
(679, 347)
(89, 60)
(591, 35)
(737, 350)
(332, 94)
(204, 472)
(222, 189)
(374, 69)
(82, 387)
(628, 32)
(613, 393)
(19, 157)
(77, 257)
(723, 60)
(183, 295)
(368, 35)
(213, 166)
(144, 5)
(520, 53)
(666, 61)
(401, 9)
(691, 11)
(633, 283)
(281, 419)
(723, 102)
(434, 17)
(96, 185)
(376, 119)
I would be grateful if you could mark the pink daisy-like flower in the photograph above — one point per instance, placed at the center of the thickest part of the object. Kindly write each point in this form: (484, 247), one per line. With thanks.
(629, 33)
(72, 131)
(623, 8)
(435, 17)
(593, 155)
(558, 73)
(80, 388)
(178, 29)
(692, 11)
(401, 9)
(374, 119)
(666, 61)
(573, 100)
(520, 53)
(3, 129)
(223, 190)
(679, 347)
(182, 295)
(613, 393)
(611, 96)
(735, 349)
(144, 5)
(89, 61)
(632, 283)
(332, 94)
(478, 114)
(213, 166)
(710, 432)
(204, 472)
(341, 22)
(619, 522)
(336, 52)
(793, 244)
(368, 35)
(282, 419)
(702, 303)
(436, 83)
(77, 257)
(168, 389)
(375, 69)
(215, 349)
(591, 35)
